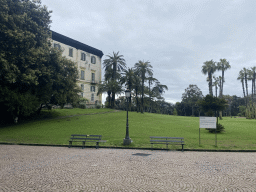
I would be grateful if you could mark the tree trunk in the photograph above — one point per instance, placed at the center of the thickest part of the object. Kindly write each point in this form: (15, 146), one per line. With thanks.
(246, 85)
(137, 101)
(113, 100)
(150, 97)
(222, 83)
(210, 83)
(142, 97)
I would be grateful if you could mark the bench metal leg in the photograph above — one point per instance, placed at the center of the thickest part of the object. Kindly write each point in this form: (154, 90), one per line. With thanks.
(97, 145)
(70, 143)
(83, 145)
(182, 148)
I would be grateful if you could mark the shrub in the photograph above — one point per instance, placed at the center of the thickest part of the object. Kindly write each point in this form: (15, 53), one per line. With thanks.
(98, 106)
(220, 128)
(82, 106)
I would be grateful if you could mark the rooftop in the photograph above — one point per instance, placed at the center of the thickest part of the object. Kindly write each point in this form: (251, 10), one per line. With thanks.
(73, 43)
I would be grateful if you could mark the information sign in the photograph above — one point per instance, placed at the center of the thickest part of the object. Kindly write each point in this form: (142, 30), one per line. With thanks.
(207, 122)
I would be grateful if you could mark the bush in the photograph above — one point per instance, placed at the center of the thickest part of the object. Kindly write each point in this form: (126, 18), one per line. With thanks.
(82, 106)
(220, 128)
(98, 106)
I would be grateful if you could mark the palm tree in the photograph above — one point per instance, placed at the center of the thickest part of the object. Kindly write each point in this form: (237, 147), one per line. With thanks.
(128, 79)
(217, 83)
(159, 89)
(143, 68)
(245, 72)
(223, 65)
(117, 64)
(150, 79)
(209, 68)
(109, 87)
(252, 76)
(241, 78)
(137, 88)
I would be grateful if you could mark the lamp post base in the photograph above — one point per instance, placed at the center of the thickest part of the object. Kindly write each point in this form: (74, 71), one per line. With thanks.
(127, 141)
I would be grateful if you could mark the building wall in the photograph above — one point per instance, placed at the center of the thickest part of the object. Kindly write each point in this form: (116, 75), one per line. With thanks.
(89, 68)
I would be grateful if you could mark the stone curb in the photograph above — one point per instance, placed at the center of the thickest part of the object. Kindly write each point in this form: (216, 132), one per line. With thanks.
(106, 147)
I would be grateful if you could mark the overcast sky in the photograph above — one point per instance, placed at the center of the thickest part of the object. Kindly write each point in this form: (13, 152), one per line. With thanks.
(175, 36)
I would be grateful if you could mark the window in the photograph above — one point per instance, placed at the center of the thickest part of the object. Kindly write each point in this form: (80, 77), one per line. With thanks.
(82, 75)
(56, 46)
(93, 77)
(93, 60)
(92, 97)
(82, 94)
(82, 87)
(70, 52)
(83, 56)
(92, 88)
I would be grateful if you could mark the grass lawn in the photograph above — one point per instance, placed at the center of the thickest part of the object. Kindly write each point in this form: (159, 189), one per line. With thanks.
(55, 127)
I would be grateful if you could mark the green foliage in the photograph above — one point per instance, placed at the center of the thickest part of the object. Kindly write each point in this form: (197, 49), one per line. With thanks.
(98, 106)
(211, 104)
(250, 111)
(175, 112)
(219, 129)
(190, 98)
(82, 106)
(242, 110)
(31, 72)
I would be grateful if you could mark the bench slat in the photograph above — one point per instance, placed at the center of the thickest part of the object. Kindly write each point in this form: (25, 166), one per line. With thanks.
(167, 137)
(87, 135)
(78, 138)
(166, 141)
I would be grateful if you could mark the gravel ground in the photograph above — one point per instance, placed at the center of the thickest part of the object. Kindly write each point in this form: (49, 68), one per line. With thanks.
(39, 168)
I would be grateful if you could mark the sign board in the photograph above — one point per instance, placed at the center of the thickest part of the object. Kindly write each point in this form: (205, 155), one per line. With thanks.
(207, 122)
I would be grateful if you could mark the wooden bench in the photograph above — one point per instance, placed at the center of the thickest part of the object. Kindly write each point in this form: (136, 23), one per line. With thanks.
(167, 141)
(86, 138)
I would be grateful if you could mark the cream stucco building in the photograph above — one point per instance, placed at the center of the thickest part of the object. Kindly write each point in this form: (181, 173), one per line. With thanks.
(88, 61)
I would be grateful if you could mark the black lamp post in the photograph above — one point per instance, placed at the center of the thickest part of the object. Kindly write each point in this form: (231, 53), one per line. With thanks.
(127, 139)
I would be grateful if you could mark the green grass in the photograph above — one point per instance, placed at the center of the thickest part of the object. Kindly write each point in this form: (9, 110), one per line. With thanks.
(57, 126)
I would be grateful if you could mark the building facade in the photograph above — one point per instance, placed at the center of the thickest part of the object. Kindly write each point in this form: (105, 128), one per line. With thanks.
(88, 61)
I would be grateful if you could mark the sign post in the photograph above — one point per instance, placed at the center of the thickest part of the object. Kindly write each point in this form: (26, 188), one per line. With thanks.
(209, 123)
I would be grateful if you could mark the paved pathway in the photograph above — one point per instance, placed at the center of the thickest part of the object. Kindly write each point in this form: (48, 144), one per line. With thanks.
(36, 168)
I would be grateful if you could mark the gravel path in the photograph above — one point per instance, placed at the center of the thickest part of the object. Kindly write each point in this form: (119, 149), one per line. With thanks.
(38, 168)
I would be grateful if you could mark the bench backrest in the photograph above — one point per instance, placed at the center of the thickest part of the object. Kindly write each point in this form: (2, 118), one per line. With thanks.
(156, 137)
(87, 137)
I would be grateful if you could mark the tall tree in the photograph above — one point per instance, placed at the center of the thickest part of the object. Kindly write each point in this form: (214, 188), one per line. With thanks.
(144, 69)
(117, 63)
(109, 86)
(216, 84)
(32, 73)
(128, 79)
(151, 80)
(241, 78)
(191, 96)
(245, 72)
(252, 76)
(159, 89)
(209, 68)
(137, 88)
(222, 66)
